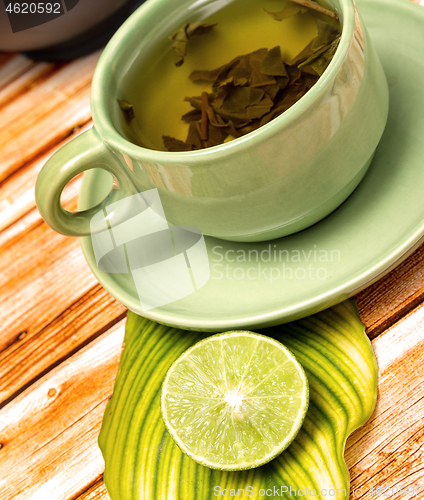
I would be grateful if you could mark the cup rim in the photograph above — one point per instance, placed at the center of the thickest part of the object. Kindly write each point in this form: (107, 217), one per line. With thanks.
(102, 119)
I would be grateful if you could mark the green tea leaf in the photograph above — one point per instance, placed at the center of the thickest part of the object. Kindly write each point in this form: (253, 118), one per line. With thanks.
(249, 127)
(232, 130)
(322, 57)
(216, 136)
(294, 6)
(236, 99)
(193, 137)
(273, 64)
(320, 64)
(317, 55)
(196, 101)
(143, 462)
(192, 115)
(206, 75)
(182, 36)
(300, 84)
(198, 29)
(235, 82)
(241, 104)
(258, 110)
(290, 9)
(215, 119)
(127, 110)
(192, 142)
(303, 55)
(326, 34)
(240, 69)
(172, 144)
(272, 90)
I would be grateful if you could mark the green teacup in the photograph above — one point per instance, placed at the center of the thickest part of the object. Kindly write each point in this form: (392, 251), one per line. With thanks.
(277, 180)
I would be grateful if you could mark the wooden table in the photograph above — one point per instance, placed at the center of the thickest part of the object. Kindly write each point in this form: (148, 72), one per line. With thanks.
(61, 332)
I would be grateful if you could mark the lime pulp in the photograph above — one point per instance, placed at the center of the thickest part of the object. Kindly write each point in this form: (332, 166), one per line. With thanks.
(235, 400)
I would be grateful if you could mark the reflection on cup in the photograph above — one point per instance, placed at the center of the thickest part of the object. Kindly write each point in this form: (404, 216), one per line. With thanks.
(167, 263)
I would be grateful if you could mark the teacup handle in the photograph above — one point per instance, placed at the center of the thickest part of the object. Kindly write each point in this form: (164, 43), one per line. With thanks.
(82, 153)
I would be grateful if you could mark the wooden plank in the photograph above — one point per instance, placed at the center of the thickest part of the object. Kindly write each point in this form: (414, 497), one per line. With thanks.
(43, 274)
(17, 196)
(49, 433)
(36, 351)
(26, 111)
(12, 67)
(20, 228)
(387, 300)
(96, 492)
(23, 226)
(387, 451)
(50, 129)
(33, 76)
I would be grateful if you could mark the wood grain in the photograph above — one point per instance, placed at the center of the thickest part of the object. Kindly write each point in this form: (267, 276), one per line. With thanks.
(48, 277)
(29, 107)
(387, 300)
(35, 351)
(40, 105)
(49, 433)
(12, 66)
(97, 491)
(27, 221)
(17, 196)
(388, 450)
(32, 76)
(50, 129)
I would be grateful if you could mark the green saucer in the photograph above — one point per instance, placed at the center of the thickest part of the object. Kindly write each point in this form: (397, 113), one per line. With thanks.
(253, 285)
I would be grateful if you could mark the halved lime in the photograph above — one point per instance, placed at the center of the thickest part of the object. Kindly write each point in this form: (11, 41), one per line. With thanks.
(235, 400)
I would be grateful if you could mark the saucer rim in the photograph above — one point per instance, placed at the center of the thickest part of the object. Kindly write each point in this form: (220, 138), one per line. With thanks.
(321, 301)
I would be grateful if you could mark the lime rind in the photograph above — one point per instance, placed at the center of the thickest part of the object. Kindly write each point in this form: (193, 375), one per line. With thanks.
(234, 401)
